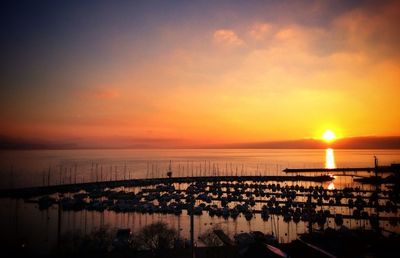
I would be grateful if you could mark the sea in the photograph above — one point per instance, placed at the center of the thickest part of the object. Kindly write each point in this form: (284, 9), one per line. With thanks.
(22, 222)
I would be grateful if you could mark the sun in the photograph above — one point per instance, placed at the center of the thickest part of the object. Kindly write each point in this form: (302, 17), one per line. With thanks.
(329, 136)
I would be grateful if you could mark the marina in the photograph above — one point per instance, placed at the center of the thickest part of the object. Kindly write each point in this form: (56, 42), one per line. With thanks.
(283, 204)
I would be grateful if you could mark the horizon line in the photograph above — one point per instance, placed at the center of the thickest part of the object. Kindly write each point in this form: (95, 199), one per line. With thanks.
(360, 142)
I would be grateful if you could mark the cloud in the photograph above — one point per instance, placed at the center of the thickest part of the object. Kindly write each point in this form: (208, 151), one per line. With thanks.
(260, 30)
(227, 38)
(372, 30)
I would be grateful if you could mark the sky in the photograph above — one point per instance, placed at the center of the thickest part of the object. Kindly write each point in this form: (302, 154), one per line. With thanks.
(190, 73)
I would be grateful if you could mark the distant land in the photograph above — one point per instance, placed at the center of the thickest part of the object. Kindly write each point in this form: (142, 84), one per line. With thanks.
(367, 142)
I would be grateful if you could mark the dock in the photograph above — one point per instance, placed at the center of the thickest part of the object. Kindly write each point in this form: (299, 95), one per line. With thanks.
(393, 168)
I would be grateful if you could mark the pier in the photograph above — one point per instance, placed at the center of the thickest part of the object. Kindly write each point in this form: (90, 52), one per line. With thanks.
(393, 168)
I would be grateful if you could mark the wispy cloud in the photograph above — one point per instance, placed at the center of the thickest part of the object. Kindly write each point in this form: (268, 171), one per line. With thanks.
(260, 30)
(228, 38)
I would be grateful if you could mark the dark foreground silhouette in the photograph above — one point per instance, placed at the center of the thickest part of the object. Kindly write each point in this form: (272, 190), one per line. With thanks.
(158, 240)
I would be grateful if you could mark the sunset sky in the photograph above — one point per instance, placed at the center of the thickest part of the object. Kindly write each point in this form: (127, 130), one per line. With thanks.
(198, 72)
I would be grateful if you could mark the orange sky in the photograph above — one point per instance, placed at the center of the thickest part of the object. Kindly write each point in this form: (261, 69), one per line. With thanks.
(230, 74)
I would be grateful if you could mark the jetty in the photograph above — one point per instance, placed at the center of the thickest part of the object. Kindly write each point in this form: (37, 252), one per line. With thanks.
(26, 192)
(393, 168)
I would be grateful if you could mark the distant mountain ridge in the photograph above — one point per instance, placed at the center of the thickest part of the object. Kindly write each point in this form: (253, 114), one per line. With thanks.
(365, 142)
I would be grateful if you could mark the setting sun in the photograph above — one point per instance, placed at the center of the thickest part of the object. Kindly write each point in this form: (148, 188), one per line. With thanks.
(329, 136)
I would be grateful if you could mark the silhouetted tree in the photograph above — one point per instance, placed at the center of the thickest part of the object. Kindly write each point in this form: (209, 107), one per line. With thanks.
(209, 238)
(155, 237)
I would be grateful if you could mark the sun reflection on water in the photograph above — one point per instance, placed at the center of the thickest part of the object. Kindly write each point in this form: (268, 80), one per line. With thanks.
(329, 158)
(330, 163)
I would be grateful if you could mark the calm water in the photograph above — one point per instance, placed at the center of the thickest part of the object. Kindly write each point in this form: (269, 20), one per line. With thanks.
(20, 220)
(31, 168)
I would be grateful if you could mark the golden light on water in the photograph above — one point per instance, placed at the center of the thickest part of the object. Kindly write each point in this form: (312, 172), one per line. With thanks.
(330, 163)
(329, 158)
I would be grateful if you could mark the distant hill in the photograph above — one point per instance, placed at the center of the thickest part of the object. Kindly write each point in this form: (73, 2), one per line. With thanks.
(14, 143)
(368, 142)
